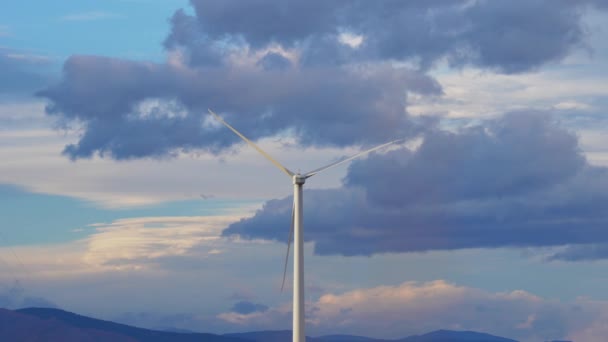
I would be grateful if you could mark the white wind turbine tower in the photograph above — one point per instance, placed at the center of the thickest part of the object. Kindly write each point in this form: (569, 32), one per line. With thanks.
(297, 227)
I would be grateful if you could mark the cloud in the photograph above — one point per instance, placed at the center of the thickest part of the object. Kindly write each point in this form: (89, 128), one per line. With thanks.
(586, 252)
(321, 106)
(89, 275)
(597, 329)
(283, 68)
(419, 307)
(471, 94)
(91, 16)
(515, 181)
(22, 72)
(148, 256)
(491, 35)
(109, 184)
(245, 307)
(23, 119)
(129, 244)
(138, 242)
(273, 60)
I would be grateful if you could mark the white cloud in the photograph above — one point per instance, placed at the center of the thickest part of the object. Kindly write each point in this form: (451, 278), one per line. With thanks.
(183, 258)
(471, 93)
(576, 105)
(414, 308)
(133, 243)
(594, 141)
(124, 244)
(36, 164)
(351, 39)
(23, 115)
(571, 85)
(30, 58)
(597, 329)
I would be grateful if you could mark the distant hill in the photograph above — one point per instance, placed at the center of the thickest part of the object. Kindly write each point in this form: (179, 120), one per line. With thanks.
(285, 335)
(133, 333)
(435, 336)
(347, 338)
(267, 336)
(42, 324)
(16, 326)
(455, 336)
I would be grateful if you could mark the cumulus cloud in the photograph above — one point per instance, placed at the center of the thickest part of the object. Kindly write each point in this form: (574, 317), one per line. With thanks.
(483, 33)
(333, 74)
(321, 106)
(519, 180)
(285, 67)
(414, 308)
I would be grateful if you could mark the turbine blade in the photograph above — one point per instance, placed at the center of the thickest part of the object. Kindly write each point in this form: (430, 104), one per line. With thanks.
(321, 169)
(272, 160)
(293, 208)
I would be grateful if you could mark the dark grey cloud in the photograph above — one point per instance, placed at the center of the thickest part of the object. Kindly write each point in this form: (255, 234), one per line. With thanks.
(260, 22)
(516, 181)
(320, 106)
(505, 36)
(325, 92)
(186, 33)
(245, 307)
(472, 164)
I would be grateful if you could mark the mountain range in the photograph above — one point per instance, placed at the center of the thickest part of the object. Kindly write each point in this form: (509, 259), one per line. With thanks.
(45, 324)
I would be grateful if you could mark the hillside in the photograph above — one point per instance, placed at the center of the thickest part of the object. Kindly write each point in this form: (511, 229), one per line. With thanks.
(138, 334)
(43, 324)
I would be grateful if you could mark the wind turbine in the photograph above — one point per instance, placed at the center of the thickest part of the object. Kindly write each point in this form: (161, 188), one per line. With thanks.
(297, 226)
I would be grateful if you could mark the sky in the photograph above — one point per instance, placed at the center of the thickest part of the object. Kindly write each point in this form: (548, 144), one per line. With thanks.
(122, 199)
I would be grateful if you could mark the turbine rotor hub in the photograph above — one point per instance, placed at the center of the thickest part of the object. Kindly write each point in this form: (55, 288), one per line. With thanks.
(299, 179)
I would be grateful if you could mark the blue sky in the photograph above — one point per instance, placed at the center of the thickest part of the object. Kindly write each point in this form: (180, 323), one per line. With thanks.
(58, 30)
(120, 198)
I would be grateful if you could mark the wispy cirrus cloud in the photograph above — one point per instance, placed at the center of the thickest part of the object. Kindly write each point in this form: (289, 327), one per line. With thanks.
(135, 242)
(22, 72)
(92, 16)
(125, 244)
(4, 31)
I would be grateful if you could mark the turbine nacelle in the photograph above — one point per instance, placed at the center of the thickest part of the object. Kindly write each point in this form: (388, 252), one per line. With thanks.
(299, 179)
